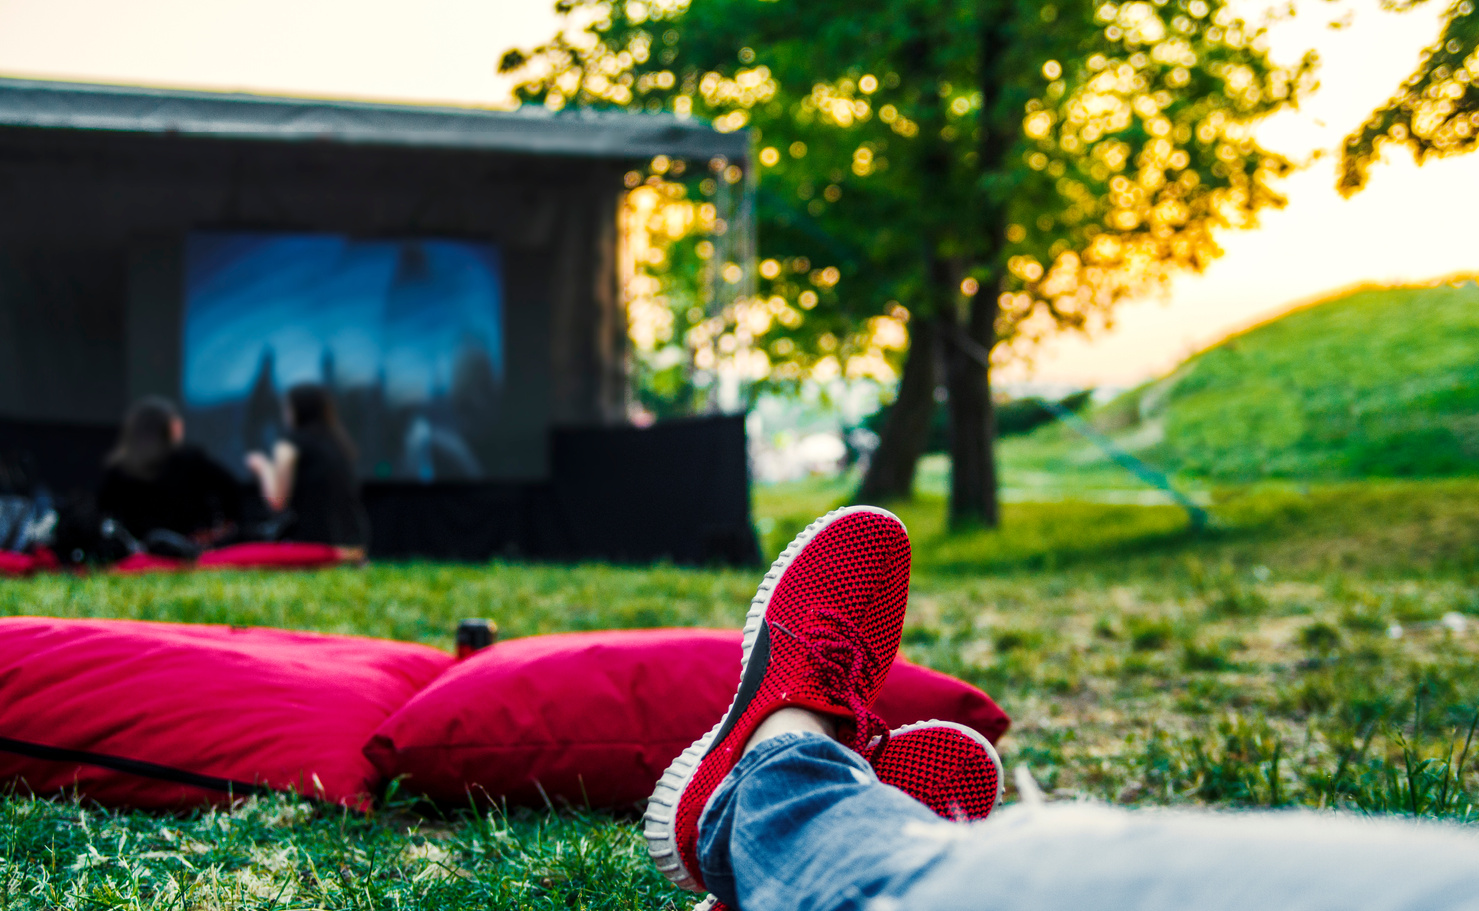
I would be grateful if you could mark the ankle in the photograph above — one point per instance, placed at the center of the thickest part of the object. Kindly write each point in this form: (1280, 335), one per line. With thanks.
(791, 720)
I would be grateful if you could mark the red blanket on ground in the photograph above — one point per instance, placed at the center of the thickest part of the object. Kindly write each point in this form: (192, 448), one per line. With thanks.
(15, 566)
(257, 555)
(271, 555)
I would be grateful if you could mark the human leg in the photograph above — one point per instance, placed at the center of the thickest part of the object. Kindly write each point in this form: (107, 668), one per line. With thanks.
(1090, 856)
(831, 836)
(802, 822)
(821, 635)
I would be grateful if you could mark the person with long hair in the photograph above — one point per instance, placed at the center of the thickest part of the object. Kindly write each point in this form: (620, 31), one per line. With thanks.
(310, 474)
(162, 489)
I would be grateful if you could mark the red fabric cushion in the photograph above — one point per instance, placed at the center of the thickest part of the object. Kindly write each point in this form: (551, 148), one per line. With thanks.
(135, 564)
(596, 717)
(128, 713)
(14, 565)
(270, 555)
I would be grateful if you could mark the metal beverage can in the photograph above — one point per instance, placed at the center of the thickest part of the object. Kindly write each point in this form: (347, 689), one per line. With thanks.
(475, 635)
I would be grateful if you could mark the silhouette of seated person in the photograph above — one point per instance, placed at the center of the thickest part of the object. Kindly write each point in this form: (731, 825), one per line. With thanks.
(309, 476)
(167, 493)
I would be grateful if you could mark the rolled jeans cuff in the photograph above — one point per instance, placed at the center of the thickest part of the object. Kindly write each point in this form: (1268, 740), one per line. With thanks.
(716, 823)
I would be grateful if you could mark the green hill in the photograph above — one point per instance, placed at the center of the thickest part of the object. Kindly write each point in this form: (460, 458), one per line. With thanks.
(1373, 383)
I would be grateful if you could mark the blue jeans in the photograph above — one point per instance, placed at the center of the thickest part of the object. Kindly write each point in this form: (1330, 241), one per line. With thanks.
(802, 823)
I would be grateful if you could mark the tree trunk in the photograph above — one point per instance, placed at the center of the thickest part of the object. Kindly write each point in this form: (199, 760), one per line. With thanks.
(973, 496)
(890, 473)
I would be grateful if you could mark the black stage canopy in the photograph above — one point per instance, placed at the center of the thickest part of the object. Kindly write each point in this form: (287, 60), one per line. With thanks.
(103, 189)
(526, 131)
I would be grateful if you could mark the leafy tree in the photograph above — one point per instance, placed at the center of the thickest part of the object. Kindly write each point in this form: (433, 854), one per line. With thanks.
(1435, 112)
(1006, 168)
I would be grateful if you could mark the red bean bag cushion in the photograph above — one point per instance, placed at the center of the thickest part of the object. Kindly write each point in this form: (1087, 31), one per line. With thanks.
(271, 555)
(14, 565)
(594, 718)
(167, 716)
(138, 564)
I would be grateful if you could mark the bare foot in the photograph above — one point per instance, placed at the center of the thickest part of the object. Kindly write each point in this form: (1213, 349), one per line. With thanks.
(791, 720)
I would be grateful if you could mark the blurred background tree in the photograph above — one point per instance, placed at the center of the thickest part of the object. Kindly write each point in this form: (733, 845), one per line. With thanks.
(1435, 112)
(981, 172)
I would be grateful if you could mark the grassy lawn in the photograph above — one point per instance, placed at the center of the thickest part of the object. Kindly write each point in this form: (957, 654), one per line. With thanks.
(1315, 648)
(1375, 383)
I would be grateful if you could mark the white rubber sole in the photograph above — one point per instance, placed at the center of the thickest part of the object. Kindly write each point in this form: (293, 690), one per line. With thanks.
(660, 820)
(973, 734)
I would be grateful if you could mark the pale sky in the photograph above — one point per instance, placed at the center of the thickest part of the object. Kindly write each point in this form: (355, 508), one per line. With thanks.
(1409, 224)
(383, 50)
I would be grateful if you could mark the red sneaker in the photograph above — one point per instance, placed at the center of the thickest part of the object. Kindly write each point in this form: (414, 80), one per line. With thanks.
(948, 767)
(821, 634)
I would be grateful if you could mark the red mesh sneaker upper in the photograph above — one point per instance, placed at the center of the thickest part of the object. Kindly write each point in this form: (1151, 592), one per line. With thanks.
(830, 631)
(947, 767)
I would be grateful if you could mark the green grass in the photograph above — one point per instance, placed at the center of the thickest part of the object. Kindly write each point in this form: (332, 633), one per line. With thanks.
(1379, 528)
(1376, 383)
(411, 602)
(1249, 666)
(282, 853)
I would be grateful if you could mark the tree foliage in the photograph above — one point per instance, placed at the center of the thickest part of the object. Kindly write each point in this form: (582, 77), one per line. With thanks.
(1435, 112)
(1005, 168)
(1126, 132)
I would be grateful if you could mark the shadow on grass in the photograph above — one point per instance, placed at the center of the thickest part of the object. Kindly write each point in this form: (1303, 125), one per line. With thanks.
(1048, 536)
(1370, 526)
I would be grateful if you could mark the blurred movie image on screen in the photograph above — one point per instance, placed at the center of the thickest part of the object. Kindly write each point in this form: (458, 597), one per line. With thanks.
(407, 333)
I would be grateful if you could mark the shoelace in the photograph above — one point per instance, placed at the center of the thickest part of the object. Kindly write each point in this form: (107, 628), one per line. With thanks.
(841, 661)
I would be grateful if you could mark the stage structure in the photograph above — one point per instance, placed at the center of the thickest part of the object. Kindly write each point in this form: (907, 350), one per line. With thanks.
(451, 273)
